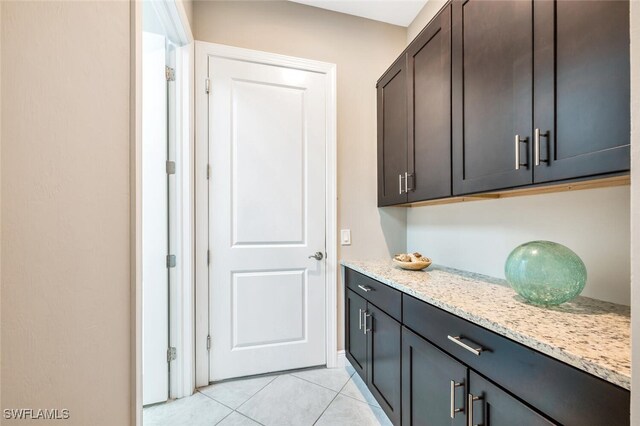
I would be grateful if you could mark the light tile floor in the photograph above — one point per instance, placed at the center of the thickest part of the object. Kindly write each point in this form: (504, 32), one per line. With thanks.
(322, 396)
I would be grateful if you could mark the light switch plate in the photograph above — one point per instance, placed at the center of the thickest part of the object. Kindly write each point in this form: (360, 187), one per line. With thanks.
(345, 237)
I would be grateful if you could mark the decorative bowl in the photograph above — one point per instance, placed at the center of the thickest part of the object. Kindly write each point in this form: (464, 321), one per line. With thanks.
(545, 273)
(413, 266)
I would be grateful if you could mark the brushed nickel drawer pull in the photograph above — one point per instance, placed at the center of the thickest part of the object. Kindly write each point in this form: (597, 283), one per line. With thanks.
(364, 288)
(476, 351)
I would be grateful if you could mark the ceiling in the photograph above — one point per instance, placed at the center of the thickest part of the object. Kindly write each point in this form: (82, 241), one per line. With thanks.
(397, 12)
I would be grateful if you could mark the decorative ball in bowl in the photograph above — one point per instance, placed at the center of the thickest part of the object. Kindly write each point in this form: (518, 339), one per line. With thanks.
(411, 261)
(545, 273)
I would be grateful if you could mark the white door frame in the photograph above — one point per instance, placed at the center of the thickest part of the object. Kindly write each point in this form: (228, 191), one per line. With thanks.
(202, 52)
(179, 31)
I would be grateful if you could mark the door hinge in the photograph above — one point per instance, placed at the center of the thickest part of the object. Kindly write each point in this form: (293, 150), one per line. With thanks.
(171, 167)
(207, 83)
(208, 257)
(208, 171)
(170, 74)
(171, 261)
(172, 354)
(208, 342)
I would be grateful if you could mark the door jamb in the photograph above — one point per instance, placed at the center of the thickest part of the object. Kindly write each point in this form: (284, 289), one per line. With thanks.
(202, 52)
(180, 33)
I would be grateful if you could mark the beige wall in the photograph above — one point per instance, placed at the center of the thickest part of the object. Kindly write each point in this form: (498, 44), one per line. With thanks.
(1, 207)
(635, 211)
(362, 50)
(426, 14)
(65, 209)
(479, 236)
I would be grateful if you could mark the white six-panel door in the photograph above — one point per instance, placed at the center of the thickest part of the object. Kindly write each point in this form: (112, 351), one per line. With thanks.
(267, 148)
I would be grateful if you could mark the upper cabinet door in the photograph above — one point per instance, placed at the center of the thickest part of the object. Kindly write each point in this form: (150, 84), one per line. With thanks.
(429, 107)
(492, 59)
(584, 73)
(392, 135)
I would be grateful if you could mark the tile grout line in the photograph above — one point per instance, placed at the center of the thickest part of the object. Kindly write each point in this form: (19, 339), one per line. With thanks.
(356, 399)
(235, 409)
(222, 419)
(257, 392)
(318, 384)
(331, 402)
(359, 400)
(247, 417)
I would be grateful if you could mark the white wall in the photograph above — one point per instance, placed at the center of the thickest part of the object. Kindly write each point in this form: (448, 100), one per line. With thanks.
(65, 197)
(635, 211)
(478, 236)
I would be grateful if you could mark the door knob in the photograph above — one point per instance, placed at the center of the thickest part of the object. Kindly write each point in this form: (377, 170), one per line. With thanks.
(317, 256)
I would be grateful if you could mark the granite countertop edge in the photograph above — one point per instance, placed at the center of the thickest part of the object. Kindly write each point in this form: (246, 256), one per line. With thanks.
(555, 352)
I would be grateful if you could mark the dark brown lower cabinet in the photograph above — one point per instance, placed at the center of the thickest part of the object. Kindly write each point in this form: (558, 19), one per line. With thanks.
(355, 339)
(438, 390)
(433, 384)
(426, 366)
(383, 369)
(373, 345)
(490, 405)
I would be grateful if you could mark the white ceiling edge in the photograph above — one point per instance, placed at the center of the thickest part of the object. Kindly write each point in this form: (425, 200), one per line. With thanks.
(396, 12)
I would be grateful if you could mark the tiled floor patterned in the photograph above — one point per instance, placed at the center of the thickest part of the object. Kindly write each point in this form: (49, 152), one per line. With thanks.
(323, 397)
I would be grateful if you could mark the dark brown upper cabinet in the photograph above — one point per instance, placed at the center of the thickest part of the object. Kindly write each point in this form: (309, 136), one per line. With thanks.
(392, 135)
(492, 62)
(414, 139)
(581, 92)
(495, 95)
(429, 118)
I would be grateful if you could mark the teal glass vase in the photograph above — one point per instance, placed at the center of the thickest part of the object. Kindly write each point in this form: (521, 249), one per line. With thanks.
(545, 273)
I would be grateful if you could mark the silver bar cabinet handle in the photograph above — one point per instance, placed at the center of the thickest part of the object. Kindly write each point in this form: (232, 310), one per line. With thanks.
(366, 315)
(536, 148)
(517, 142)
(470, 400)
(400, 183)
(360, 319)
(455, 410)
(406, 182)
(364, 288)
(456, 339)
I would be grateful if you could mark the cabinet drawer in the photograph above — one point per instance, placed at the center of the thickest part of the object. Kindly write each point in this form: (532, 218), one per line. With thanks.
(564, 393)
(384, 297)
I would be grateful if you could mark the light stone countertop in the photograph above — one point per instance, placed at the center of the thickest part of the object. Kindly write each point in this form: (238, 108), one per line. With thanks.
(589, 334)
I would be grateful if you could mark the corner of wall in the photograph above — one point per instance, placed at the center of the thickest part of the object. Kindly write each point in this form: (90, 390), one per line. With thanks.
(1, 26)
(635, 207)
(430, 9)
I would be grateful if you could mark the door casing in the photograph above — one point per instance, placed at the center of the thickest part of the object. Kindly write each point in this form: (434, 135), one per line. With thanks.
(203, 51)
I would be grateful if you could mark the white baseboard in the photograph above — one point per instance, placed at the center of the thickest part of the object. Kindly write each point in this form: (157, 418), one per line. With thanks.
(341, 359)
